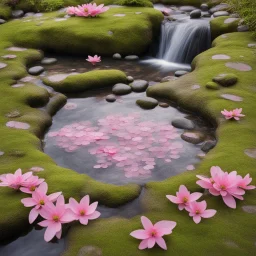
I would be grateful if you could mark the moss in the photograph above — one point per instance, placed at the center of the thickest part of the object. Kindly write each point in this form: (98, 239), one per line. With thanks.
(5, 12)
(179, 2)
(212, 86)
(87, 81)
(56, 102)
(218, 27)
(226, 79)
(135, 3)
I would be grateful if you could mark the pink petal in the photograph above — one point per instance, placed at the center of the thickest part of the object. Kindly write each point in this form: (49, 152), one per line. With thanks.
(44, 223)
(204, 184)
(33, 215)
(147, 224)
(194, 196)
(229, 201)
(143, 244)
(92, 208)
(173, 199)
(165, 227)
(83, 220)
(140, 234)
(54, 196)
(94, 215)
(51, 231)
(68, 216)
(160, 241)
(58, 234)
(197, 219)
(43, 188)
(73, 205)
(28, 202)
(85, 201)
(208, 213)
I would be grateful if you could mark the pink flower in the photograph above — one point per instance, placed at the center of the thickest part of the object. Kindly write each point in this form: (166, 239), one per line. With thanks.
(15, 180)
(83, 210)
(94, 59)
(54, 217)
(71, 10)
(29, 186)
(197, 210)
(38, 200)
(183, 197)
(244, 182)
(235, 113)
(87, 10)
(152, 234)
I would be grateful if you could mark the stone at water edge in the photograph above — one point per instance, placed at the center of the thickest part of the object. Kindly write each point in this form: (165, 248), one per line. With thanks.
(130, 79)
(29, 14)
(196, 14)
(193, 137)
(183, 123)
(17, 14)
(219, 7)
(121, 89)
(179, 73)
(226, 79)
(242, 28)
(147, 103)
(2, 21)
(204, 7)
(168, 78)
(139, 85)
(117, 56)
(48, 61)
(208, 145)
(187, 8)
(220, 13)
(36, 70)
(163, 105)
(110, 98)
(131, 57)
(212, 86)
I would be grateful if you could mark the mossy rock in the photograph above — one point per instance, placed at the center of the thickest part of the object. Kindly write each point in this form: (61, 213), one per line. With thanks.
(226, 80)
(87, 81)
(147, 103)
(5, 12)
(212, 86)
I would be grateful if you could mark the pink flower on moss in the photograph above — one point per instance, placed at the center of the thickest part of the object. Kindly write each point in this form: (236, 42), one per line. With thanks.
(95, 59)
(152, 234)
(87, 10)
(84, 211)
(244, 182)
(15, 180)
(55, 216)
(235, 113)
(183, 197)
(29, 186)
(38, 200)
(197, 210)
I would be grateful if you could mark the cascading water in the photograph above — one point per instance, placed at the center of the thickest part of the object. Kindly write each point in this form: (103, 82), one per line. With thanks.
(180, 42)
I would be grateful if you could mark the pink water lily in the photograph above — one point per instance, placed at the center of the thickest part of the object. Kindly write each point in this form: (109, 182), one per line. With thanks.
(38, 200)
(29, 186)
(152, 234)
(87, 10)
(197, 210)
(54, 217)
(95, 59)
(15, 180)
(84, 211)
(183, 197)
(244, 182)
(235, 113)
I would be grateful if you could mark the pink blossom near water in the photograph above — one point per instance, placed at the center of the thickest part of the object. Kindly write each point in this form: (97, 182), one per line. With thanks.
(94, 59)
(235, 113)
(126, 142)
(70, 106)
(87, 10)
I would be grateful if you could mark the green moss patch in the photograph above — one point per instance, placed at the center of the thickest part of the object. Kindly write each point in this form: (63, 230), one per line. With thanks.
(5, 12)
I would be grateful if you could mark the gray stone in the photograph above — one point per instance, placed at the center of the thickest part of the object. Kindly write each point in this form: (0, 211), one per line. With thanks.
(117, 56)
(2, 65)
(242, 28)
(231, 97)
(139, 85)
(183, 123)
(17, 14)
(36, 70)
(230, 20)
(220, 13)
(110, 98)
(234, 15)
(2, 21)
(226, 79)
(147, 103)
(168, 78)
(121, 89)
(193, 137)
(204, 7)
(130, 79)
(249, 208)
(252, 45)
(187, 8)
(219, 7)
(196, 14)
(48, 61)
(29, 14)
(131, 57)
(90, 251)
(163, 105)
(238, 66)
(179, 73)
(206, 15)
(208, 145)
(251, 152)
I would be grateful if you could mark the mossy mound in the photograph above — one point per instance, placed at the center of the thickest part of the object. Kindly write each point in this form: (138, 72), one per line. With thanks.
(226, 79)
(83, 36)
(88, 81)
(134, 3)
(5, 12)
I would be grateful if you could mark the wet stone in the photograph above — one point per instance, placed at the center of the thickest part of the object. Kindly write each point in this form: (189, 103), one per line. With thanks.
(251, 152)
(48, 61)
(9, 56)
(220, 57)
(16, 49)
(187, 8)
(139, 85)
(238, 66)
(17, 14)
(180, 73)
(168, 78)
(110, 98)
(2, 21)
(196, 14)
(121, 89)
(231, 97)
(29, 14)
(183, 123)
(204, 7)
(208, 145)
(147, 103)
(130, 79)
(117, 56)
(212, 86)
(219, 7)
(163, 105)
(230, 20)
(249, 209)
(226, 79)
(220, 13)
(193, 137)
(131, 57)
(90, 251)
(36, 70)
(27, 79)
(242, 28)
(2, 65)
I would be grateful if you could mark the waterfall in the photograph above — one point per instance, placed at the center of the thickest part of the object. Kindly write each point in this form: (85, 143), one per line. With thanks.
(180, 42)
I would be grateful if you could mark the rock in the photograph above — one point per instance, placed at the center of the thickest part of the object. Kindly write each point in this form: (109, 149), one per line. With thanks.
(163, 105)
(208, 145)
(90, 251)
(121, 89)
(226, 79)
(242, 28)
(36, 70)
(252, 45)
(231, 97)
(130, 79)
(238, 66)
(131, 57)
(183, 123)
(234, 15)
(249, 208)
(139, 85)
(220, 13)
(147, 102)
(206, 15)
(204, 7)
(180, 73)
(187, 8)
(9, 56)
(48, 61)
(241, 22)
(220, 57)
(230, 20)
(219, 7)
(13, 114)
(251, 152)
(196, 14)
(212, 86)
(170, 18)
(2, 65)
(117, 56)
(110, 98)
(29, 14)
(193, 137)
(17, 14)
(168, 78)
(16, 49)
(2, 21)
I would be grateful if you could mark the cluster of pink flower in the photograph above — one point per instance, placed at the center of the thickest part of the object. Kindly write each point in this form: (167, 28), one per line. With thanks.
(87, 10)
(235, 113)
(95, 59)
(54, 215)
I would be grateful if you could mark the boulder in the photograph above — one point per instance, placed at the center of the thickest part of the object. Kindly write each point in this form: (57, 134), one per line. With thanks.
(208, 145)
(163, 105)
(48, 61)
(193, 137)
(121, 89)
(139, 85)
(131, 57)
(187, 8)
(219, 7)
(220, 13)
(37, 70)
(2, 21)
(110, 98)
(147, 102)
(117, 56)
(183, 123)
(130, 79)
(204, 7)
(196, 14)
(242, 28)
(179, 73)
(226, 79)
(17, 14)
